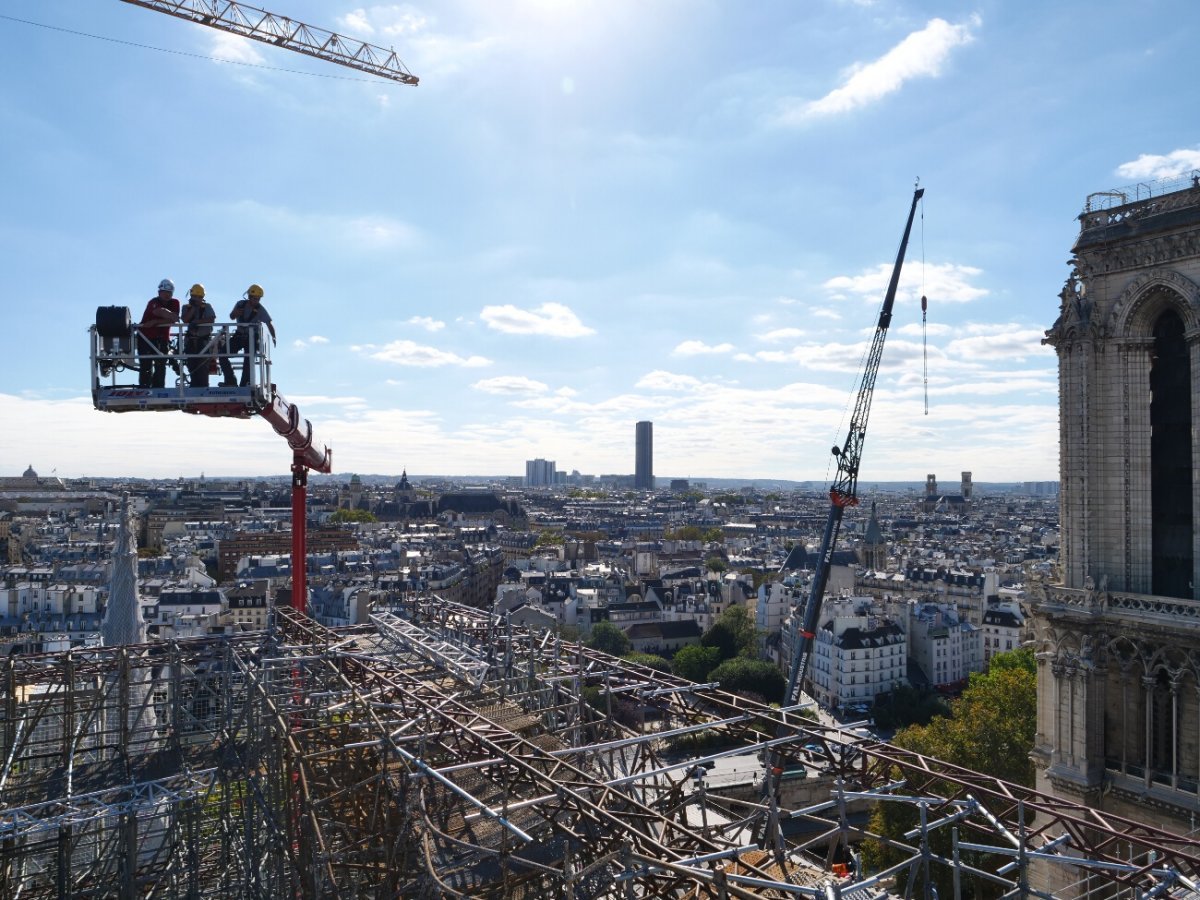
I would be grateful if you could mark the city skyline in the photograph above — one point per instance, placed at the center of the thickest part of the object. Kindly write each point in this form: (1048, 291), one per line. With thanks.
(454, 268)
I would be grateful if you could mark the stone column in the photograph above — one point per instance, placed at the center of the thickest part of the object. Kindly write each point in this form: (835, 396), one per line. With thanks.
(1147, 752)
(1056, 754)
(1175, 730)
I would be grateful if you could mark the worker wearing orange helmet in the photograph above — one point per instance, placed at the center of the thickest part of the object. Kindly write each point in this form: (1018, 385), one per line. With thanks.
(248, 312)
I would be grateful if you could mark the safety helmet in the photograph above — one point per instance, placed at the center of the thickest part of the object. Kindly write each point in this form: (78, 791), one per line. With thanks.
(254, 292)
(197, 290)
(167, 285)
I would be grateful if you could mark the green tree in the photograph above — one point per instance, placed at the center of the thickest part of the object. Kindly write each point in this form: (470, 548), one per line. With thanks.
(352, 515)
(716, 564)
(713, 535)
(907, 705)
(685, 533)
(734, 633)
(694, 662)
(990, 729)
(650, 660)
(755, 676)
(587, 535)
(608, 638)
(549, 539)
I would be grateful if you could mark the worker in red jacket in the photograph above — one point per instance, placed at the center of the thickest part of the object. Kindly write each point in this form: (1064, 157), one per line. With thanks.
(154, 335)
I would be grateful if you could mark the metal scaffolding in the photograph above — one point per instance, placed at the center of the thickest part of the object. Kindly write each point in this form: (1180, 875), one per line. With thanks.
(442, 752)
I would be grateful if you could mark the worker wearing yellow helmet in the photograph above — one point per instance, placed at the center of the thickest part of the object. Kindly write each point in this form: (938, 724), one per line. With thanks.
(249, 312)
(198, 316)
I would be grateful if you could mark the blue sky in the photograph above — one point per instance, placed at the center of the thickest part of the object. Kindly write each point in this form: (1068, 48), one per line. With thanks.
(587, 214)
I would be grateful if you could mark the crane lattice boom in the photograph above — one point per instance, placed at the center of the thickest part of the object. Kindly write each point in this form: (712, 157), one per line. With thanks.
(280, 31)
(844, 490)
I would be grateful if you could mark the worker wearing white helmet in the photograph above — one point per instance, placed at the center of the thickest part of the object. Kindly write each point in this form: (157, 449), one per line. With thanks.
(154, 335)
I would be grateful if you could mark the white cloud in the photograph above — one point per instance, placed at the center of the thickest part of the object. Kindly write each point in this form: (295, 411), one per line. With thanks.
(1148, 166)
(1003, 343)
(942, 283)
(430, 54)
(426, 322)
(930, 329)
(315, 340)
(551, 319)
(386, 24)
(782, 334)
(658, 380)
(511, 385)
(920, 55)
(235, 49)
(410, 353)
(356, 22)
(699, 348)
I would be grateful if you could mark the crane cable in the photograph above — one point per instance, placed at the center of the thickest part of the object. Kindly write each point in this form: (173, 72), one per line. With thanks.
(924, 307)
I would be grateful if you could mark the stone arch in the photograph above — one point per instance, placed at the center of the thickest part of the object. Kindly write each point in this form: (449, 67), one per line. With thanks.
(1047, 638)
(1145, 299)
(1175, 661)
(1126, 652)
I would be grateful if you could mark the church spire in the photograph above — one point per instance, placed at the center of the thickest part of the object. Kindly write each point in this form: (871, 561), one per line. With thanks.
(123, 622)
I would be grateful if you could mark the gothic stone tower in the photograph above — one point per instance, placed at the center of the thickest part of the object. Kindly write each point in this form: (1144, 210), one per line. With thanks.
(1118, 639)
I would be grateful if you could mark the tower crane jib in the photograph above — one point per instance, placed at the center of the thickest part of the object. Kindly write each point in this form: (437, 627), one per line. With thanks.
(280, 31)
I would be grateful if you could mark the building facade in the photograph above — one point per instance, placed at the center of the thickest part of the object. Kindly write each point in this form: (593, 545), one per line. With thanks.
(857, 655)
(539, 472)
(1117, 635)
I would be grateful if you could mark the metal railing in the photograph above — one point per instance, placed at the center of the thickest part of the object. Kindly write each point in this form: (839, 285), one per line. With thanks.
(1143, 190)
(113, 356)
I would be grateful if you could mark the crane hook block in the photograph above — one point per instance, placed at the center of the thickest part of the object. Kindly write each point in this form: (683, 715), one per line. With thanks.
(924, 303)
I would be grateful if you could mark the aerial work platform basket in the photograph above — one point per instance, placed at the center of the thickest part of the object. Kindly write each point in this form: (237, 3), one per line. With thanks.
(193, 380)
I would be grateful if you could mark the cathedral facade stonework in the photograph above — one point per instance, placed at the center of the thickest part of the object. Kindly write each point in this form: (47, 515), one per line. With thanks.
(1118, 637)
